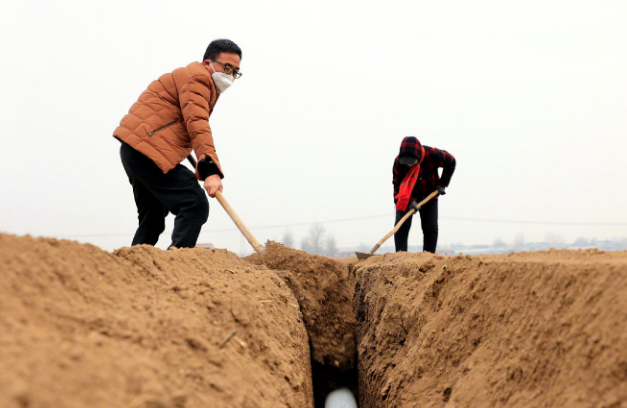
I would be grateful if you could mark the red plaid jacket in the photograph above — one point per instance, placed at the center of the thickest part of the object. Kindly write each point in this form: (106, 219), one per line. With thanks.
(429, 178)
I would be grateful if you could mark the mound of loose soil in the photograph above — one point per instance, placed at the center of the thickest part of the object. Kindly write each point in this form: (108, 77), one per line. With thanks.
(140, 328)
(325, 297)
(527, 330)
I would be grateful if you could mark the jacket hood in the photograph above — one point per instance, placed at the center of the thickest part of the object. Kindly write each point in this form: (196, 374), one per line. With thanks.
(411, 147)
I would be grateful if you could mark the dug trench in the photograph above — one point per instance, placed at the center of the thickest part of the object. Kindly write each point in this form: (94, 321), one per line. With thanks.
(325, 295)
(188, 328)
(542, 329)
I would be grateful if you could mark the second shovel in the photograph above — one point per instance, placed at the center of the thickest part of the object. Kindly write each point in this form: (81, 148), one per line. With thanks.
(362, 255)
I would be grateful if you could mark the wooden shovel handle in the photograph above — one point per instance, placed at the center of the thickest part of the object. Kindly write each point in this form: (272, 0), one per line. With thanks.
(236, 219)
(402, 221)
(239, 223)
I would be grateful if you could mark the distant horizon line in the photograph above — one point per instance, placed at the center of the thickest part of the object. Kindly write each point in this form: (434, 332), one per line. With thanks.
(234, 229)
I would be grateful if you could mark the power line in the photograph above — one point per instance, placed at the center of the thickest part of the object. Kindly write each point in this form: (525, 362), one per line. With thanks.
(232, 229)
(261, 227)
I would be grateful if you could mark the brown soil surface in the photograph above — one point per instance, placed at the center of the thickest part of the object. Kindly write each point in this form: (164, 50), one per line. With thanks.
(145, 328)
(545, 329)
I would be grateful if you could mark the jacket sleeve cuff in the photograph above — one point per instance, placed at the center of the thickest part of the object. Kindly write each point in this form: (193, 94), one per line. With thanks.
(206, 168)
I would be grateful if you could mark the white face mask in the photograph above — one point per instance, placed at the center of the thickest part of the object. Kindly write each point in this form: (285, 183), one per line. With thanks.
(222, 80)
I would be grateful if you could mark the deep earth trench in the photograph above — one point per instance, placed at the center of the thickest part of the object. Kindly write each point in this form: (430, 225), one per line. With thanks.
(532, 329)
(325, 295)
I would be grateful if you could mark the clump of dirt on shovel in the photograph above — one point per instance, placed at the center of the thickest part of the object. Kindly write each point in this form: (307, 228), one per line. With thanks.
(322, 289)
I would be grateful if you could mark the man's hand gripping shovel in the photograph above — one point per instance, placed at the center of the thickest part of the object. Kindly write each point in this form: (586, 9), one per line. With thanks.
(236, 219)
(362, 255)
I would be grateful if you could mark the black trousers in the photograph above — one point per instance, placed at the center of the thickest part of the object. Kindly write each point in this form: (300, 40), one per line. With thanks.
(157, 194)
(429, 221)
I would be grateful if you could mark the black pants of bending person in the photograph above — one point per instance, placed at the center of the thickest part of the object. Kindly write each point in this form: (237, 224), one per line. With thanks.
(157, 194)
(429, 222)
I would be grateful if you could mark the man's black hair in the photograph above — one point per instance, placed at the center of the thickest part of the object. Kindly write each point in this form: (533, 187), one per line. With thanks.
(221, 45)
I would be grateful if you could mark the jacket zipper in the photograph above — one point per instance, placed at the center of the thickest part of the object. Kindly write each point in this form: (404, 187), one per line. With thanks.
(162, 127)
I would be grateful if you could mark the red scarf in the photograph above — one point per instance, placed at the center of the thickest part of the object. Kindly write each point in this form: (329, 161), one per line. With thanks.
(408, 183)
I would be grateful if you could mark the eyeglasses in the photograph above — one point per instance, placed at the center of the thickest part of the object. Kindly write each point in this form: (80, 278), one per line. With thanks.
(229, 70)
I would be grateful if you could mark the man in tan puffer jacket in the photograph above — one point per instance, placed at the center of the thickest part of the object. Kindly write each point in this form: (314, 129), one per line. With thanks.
(169, 120)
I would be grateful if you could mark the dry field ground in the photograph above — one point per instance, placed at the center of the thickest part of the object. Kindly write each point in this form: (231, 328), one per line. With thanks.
(145, 328)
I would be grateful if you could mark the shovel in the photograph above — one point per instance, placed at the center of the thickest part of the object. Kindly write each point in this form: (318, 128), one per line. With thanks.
(236, 219)
(361, 255)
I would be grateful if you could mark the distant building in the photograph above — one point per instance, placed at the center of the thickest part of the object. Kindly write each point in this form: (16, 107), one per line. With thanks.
(205, 246)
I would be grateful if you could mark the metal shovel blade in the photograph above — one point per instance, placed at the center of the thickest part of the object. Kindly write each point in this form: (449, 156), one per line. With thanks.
(362, 255)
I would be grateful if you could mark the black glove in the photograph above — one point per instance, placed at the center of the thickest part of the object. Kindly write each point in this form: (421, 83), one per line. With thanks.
(440, 190)
(413, 206)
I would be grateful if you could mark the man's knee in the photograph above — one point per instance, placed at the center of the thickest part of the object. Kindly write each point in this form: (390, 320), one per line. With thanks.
(194, 209)
(202, 209)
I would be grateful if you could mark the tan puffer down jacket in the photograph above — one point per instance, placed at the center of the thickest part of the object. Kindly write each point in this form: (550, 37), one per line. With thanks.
(171, 118)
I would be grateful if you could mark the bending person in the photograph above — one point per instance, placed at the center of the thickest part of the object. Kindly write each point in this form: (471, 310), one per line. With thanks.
(159, 132)
(415, 176)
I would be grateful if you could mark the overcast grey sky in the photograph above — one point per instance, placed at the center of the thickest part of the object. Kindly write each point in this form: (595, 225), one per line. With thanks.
(529, 96)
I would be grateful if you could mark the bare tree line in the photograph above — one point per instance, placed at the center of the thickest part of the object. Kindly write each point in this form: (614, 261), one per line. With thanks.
(317, 241)
(556, 240)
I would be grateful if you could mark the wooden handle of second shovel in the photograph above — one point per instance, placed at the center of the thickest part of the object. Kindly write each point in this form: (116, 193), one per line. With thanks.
(239, 223)
(402, 221)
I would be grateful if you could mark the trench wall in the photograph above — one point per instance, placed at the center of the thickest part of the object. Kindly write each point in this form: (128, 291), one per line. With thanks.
(542, 329)
(325, 294)
(141, 327)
